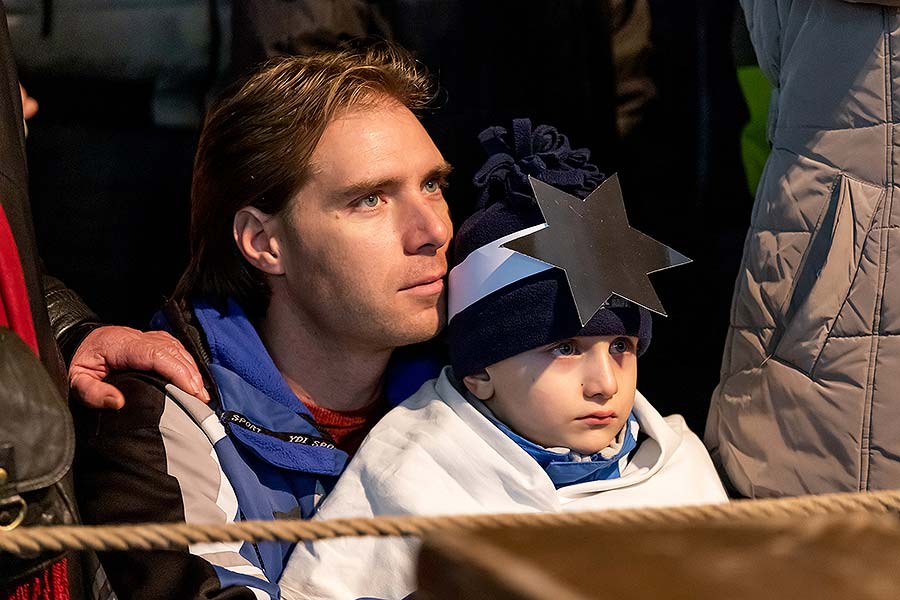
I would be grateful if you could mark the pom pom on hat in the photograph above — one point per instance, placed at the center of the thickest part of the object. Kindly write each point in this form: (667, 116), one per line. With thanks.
(541, 152)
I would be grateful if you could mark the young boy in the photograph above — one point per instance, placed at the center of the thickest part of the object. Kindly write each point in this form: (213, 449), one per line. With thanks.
(538, 411)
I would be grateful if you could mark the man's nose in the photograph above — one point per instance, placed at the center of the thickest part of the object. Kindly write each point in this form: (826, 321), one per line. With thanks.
(427, 225)
(599, 379)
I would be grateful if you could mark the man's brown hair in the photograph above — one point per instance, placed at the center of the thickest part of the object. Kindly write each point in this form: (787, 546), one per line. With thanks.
(255, 149)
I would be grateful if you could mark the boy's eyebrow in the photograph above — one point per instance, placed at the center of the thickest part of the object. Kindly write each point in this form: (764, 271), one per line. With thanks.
(441, 171)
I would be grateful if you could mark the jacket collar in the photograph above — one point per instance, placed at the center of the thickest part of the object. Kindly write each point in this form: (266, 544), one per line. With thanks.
(254, 401)
(256, 406)
(565, 467)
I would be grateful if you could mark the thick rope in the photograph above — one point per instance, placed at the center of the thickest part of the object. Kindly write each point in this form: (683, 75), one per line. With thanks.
(27, 541)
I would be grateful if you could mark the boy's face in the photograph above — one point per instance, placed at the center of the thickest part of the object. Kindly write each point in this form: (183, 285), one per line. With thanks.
(576, 393)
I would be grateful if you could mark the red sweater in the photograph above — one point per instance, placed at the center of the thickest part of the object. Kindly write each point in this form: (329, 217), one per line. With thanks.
(347, 429)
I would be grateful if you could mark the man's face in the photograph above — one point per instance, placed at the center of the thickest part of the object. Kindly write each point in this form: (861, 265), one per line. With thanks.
(574, 394)
(365, 240)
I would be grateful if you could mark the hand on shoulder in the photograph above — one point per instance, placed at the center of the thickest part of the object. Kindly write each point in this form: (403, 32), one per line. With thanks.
(112, 348)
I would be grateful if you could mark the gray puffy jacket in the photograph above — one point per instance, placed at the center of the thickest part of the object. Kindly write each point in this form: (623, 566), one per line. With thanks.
(809, 396)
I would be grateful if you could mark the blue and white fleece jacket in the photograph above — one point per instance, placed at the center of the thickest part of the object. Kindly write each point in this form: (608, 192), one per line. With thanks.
(253, 453)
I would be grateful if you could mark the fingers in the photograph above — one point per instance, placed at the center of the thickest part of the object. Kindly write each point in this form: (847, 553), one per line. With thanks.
(169, 359)
(174, 346)
(121, 348)
(96, 394)
(29, 104)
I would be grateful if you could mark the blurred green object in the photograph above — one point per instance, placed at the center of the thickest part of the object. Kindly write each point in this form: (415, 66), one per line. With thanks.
(754, 145)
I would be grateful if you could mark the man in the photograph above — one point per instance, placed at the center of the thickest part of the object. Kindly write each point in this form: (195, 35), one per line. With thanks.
(319, 239)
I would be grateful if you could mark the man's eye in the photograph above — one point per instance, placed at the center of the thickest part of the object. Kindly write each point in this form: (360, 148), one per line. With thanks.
(564, 349)
(432, 186)
(369, 201)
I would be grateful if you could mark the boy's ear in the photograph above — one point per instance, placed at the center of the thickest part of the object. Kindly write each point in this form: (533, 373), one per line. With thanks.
(254, 234)
(480, 385)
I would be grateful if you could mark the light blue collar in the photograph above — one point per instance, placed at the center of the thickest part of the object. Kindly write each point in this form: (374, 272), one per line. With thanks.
(570, 468)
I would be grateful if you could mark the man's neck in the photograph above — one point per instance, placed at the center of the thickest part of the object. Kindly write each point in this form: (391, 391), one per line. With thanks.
(319, 369)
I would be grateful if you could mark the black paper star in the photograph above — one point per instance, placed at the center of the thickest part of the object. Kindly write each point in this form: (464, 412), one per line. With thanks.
(592, 242)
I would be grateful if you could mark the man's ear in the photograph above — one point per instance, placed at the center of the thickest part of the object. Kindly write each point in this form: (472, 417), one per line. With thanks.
(480, 385)
(254, 234)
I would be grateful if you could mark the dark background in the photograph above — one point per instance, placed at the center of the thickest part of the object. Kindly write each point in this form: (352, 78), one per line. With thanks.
(110, 188)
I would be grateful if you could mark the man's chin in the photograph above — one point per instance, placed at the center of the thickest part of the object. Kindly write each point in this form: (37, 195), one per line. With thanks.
(424, 327)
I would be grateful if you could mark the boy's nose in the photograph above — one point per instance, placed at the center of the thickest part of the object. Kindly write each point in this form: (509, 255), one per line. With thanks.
(599, 382)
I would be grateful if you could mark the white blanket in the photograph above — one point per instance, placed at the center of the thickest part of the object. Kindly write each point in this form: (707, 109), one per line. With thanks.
(436, 454)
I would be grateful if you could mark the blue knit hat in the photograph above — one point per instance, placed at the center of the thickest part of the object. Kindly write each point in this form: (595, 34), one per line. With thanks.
(538, 309)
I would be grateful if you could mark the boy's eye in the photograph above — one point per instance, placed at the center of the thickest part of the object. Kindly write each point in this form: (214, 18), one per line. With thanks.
(564, 349)
(621, 345)
(431, 186)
